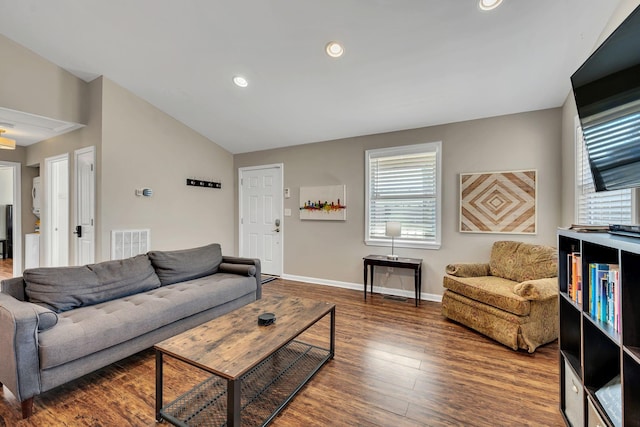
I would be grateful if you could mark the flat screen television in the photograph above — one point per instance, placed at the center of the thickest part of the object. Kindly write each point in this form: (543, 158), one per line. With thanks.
(606, 89)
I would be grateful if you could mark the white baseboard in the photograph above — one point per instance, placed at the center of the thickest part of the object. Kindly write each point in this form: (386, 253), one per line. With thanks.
(360, 287)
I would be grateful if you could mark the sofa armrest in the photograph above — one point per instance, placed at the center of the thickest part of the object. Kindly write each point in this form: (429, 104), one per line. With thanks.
(20, 367)
(468, 269)
(13, 287)
(538, 289)
(255, 262)
(241, 269)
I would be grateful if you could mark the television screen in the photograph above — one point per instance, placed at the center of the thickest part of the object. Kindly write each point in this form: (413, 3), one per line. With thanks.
(606, 89)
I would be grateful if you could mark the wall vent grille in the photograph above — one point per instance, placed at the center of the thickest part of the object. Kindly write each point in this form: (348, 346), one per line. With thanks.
(129, 243)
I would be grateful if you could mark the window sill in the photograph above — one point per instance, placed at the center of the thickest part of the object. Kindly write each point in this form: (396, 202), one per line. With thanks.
(404, 244)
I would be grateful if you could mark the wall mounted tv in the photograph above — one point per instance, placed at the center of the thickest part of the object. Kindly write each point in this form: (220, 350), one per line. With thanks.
(607, 93)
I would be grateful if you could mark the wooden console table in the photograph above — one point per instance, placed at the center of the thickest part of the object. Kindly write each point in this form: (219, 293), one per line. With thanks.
(415, 264)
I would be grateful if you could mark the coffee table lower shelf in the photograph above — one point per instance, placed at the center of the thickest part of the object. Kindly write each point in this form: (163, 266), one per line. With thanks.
(264, 392)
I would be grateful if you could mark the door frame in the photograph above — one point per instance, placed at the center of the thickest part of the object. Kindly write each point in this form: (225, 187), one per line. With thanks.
(17, 216)
(47, 205)
(77, 204)
(280, 167)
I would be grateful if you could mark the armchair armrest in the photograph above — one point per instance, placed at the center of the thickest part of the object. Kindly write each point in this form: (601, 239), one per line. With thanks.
(255, 262)
(537, 290)
(20, 367)
(468, 269)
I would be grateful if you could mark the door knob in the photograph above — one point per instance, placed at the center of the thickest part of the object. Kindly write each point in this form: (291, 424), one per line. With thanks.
(78, 231)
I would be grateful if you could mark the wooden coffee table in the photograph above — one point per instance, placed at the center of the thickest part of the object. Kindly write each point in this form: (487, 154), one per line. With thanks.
(256, 369)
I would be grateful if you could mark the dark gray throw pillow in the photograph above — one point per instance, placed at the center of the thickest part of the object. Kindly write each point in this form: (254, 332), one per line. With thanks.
(186, 264)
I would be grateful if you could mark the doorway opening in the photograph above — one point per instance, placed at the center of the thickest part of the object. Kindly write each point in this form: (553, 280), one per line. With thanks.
(11, 217)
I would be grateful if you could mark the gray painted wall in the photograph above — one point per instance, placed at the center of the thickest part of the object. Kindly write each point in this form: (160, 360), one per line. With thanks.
(333, 251)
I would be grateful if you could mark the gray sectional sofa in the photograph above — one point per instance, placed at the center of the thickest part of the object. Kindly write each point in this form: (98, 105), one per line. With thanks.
(58, 324)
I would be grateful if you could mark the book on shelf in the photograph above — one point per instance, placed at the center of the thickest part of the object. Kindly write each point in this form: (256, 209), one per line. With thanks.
(588, 228)
(604, 294)
(574, 277)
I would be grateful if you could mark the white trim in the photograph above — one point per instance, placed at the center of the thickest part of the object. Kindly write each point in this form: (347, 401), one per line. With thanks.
(360, 287)
(406, 150)
(17, 216)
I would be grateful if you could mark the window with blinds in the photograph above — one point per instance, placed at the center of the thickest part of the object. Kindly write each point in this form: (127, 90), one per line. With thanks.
(403, 185)
(599, 208)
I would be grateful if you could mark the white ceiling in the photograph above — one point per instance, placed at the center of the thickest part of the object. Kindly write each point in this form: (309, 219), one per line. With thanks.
(407, 63)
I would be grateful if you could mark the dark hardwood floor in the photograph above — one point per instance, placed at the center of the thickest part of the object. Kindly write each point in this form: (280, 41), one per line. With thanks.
(395, 365)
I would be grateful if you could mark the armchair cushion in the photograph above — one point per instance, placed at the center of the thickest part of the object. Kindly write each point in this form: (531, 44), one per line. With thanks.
(494, 291)
(520, 261)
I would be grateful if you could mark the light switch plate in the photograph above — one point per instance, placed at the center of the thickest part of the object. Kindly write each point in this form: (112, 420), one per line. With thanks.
(287, 212)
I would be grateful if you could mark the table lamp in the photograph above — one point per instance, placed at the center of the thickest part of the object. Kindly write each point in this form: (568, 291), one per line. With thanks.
(393, 229)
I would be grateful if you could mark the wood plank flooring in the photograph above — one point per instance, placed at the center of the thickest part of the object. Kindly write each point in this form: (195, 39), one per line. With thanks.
(6, 268)
(395, 365)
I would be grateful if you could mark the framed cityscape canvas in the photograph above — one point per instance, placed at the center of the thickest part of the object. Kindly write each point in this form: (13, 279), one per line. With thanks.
(324, 203)
(498, 202)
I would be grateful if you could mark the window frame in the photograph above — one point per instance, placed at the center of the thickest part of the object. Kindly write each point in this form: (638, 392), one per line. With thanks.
(580, 149)
(427, 147)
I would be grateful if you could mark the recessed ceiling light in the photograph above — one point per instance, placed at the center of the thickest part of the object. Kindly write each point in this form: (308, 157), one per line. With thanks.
(489, 4)
(240, 81)
(334, 49)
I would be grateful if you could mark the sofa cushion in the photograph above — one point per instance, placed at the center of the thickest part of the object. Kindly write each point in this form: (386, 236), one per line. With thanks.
(65, 288)
(494, 291)
(522, 261)
(123, 277)
(59, 288)
(86, 330)
(186, 264)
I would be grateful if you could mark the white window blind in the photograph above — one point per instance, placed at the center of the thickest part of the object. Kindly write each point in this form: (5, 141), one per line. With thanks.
(598, 208)
(403, 186)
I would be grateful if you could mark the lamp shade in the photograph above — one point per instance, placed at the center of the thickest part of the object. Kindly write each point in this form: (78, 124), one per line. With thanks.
(393, 229)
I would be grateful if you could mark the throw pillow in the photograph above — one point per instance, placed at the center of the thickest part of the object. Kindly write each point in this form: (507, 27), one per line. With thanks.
(178, 266)
(47, 319)
(241, 269)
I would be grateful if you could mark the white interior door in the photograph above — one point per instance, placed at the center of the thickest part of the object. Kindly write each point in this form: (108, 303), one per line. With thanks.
(85, 206)
(261, 216)
(56, 221)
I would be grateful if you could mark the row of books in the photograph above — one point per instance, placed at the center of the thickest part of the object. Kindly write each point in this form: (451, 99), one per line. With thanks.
(604, 294)
(574, 279)
(603, 290)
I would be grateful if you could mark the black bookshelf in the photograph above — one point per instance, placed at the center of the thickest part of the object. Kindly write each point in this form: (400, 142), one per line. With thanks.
(604, 358)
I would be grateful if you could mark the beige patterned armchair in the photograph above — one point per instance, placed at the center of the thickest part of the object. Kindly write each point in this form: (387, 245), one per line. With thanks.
(512, 299)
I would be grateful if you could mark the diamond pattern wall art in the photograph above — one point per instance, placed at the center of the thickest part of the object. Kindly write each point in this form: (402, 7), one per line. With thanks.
(498, 202)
